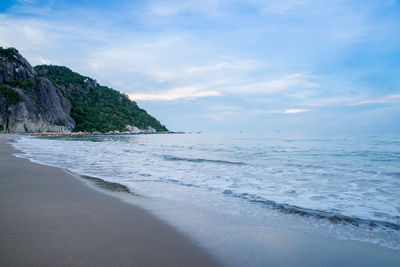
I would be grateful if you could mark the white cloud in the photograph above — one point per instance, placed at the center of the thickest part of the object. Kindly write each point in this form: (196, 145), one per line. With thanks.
(95, 66)
(168, 8)
(293, 82)
(43, 60)
(257, 112)
(29, 34)
(175, 94)
(283, 7)
(221, 113)
(222, 116)
(224, 108)
(329, 101)
(296, 81)
(231, 113)
(236, 65)
(294, 111)
(382, 100)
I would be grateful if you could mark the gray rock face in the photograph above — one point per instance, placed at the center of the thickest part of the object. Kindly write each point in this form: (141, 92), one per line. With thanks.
(42, 107)
(17, 68)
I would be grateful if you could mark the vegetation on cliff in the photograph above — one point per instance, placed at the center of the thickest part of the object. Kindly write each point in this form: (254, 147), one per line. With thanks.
(11, 98)
(10, 53)
(10, 95)
(96, 107)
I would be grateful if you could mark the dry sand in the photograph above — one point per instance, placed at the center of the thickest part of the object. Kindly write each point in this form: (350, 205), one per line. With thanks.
(50, 218)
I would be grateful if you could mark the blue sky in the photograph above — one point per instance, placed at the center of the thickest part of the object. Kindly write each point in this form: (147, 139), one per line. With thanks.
(218, 66)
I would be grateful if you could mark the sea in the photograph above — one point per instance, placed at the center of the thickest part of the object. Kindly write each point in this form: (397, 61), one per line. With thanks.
(343, 186)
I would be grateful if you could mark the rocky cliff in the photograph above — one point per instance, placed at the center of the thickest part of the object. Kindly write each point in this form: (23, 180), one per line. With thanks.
(29, 103)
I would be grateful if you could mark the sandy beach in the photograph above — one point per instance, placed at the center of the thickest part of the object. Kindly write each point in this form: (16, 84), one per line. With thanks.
(50, 218)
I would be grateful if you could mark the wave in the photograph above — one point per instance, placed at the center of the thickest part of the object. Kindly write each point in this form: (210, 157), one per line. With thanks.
(333, 217)
(200, 160)
(296, 210)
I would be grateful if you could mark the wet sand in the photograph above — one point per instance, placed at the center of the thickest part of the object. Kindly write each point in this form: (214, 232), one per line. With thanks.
(50, 218)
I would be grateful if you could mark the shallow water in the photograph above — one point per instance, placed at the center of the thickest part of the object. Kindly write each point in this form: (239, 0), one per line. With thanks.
(351, 179)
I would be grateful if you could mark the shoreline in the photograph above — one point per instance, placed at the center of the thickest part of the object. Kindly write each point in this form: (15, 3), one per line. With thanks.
(48, 217)
(2, 135)
(272, 241)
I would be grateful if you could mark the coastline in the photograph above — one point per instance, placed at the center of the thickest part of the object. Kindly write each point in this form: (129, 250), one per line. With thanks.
(2, 135)
(278, 239)
(48, 217)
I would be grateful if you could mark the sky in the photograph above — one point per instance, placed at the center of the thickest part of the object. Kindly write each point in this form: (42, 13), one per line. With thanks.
(227, 66)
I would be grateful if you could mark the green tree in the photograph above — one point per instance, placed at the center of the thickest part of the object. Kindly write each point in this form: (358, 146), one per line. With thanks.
(11, 97)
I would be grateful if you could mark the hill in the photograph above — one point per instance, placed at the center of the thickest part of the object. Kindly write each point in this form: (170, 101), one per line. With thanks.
(96, 107)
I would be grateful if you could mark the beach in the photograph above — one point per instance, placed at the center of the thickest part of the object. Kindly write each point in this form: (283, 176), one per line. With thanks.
(50, 218)
(53, 217)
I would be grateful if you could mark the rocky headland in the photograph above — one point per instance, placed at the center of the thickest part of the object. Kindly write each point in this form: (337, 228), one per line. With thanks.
(50, 98)
(28, 102)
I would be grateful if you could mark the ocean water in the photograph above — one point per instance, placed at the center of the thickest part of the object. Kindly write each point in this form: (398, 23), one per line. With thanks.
(348, 181)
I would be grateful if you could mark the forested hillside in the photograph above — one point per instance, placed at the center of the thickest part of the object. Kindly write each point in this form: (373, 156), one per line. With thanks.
(96, 107)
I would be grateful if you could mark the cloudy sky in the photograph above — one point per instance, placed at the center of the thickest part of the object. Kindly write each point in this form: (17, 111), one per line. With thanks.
(219, 65)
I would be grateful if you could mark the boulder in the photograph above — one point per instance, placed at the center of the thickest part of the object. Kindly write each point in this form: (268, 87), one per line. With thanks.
(149, 130)
(133, 129)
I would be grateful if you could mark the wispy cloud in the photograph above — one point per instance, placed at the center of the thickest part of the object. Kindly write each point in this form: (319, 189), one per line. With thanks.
(174, 7)
(296, 81)
(45, 60)
(293, 82)
(220, 70)
(237, 65)
(229, 113)
(175, 94)
(221, 113)
(381, 100)
(32, 34)
(295, 110)
(257, 112)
